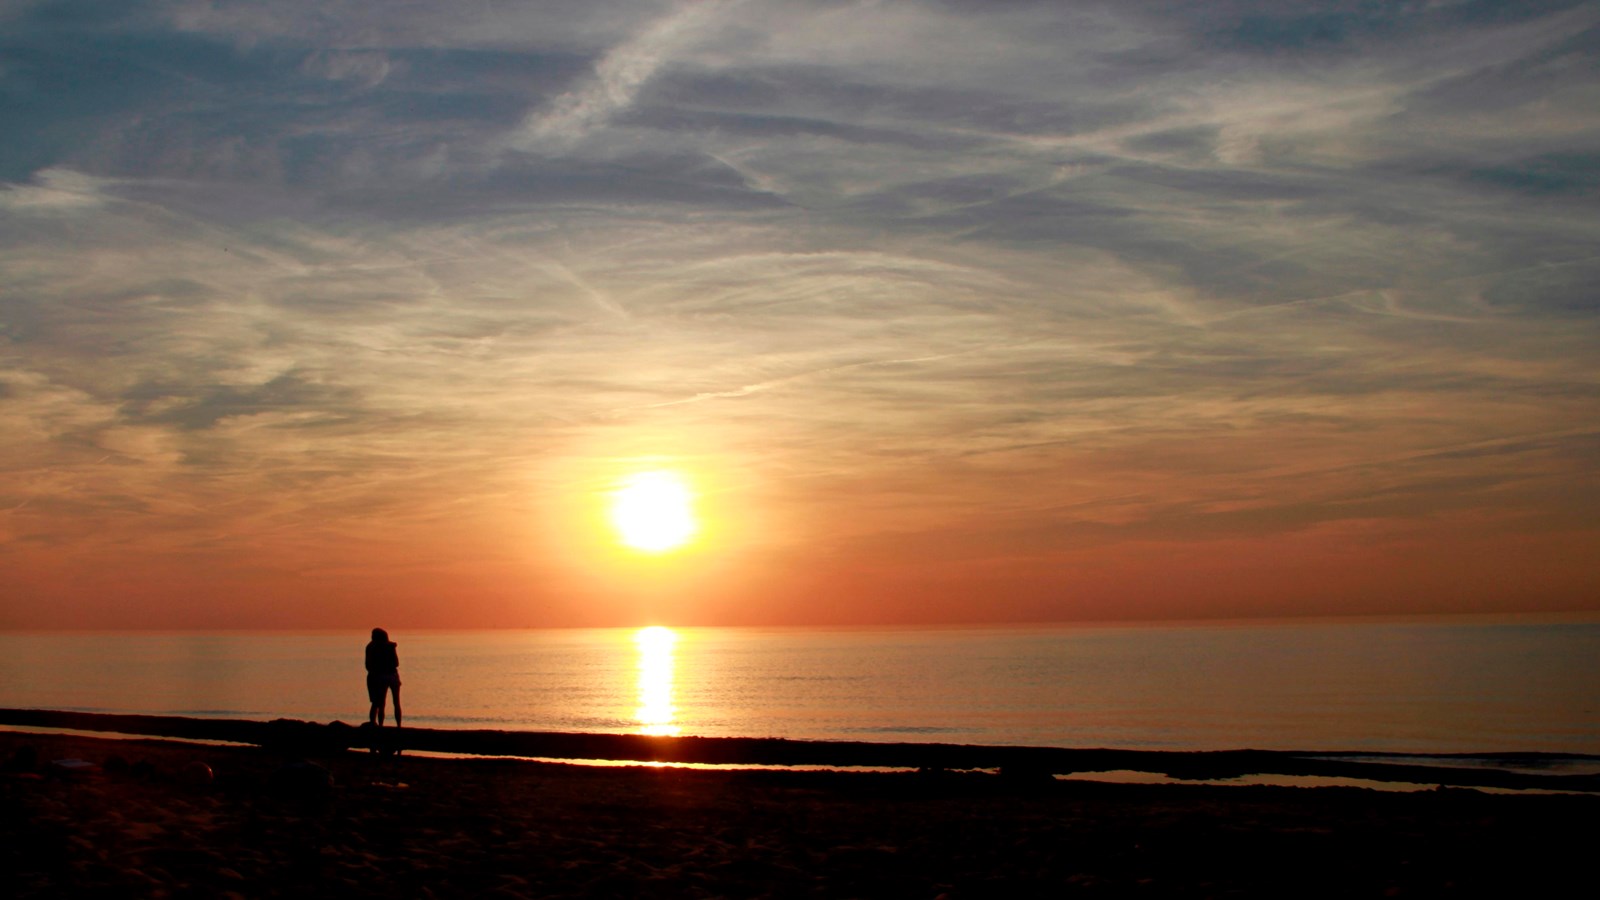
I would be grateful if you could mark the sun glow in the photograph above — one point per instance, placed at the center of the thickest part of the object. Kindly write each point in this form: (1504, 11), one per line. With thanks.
(655, 714)
(653, 511)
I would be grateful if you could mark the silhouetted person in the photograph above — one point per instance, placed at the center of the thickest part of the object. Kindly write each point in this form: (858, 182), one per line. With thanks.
(383, 676)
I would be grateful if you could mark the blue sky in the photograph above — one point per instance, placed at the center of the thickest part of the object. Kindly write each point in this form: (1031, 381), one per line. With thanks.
(953, 311)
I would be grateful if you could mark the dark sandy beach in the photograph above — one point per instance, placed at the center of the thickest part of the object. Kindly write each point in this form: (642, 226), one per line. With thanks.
(145, 821)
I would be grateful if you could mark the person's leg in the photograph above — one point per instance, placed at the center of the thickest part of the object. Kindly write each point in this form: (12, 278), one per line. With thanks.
(375, 697)
(396, 689)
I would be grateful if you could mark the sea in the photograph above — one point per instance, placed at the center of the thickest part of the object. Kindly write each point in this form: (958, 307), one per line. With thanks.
(1436, 686)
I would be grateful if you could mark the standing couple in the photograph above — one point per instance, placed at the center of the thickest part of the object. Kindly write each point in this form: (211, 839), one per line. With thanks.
(383, 676)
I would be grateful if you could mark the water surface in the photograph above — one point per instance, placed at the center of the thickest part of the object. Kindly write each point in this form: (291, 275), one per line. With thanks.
(1431, 687)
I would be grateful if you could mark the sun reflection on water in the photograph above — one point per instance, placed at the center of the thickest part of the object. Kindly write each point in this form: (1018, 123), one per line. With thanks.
(655, 713)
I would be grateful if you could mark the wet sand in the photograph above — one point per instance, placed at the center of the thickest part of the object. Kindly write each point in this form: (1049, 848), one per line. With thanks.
(145, 820)
(1518, 771)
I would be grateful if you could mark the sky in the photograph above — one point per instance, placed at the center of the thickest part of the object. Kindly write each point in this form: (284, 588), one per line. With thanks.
(340, 313)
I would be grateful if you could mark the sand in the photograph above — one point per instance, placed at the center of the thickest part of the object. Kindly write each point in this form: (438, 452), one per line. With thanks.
(1519, 771)
(144, 820)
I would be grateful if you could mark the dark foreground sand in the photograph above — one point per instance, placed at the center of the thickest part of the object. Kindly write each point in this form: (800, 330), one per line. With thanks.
(148, 823)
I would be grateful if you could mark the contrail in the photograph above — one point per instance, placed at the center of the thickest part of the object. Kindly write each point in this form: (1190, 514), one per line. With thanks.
(599, 298)
(760, 386)
(616, 81)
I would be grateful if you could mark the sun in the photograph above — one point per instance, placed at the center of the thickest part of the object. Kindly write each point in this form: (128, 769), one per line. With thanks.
(653, 511)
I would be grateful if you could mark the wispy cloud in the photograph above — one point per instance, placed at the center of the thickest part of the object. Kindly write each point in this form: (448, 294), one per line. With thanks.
(617, 78)
(53, 189)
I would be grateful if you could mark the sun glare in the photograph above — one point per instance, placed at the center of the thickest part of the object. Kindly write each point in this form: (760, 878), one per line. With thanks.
(653, 511)
(655, 713)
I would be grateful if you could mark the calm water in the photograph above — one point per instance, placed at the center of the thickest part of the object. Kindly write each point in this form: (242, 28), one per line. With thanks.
(1443, 686)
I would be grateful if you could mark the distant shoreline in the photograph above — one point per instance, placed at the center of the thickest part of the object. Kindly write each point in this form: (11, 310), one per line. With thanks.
(310, 738)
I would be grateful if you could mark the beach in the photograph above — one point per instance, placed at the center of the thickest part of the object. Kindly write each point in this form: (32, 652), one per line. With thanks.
(155, 818)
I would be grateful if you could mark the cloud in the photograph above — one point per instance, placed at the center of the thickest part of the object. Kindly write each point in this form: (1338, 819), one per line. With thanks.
(54, 190)
(617, 79)
(369, 69)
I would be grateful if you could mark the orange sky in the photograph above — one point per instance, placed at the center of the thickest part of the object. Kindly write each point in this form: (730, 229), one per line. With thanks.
(1058, 312)
(832, 551)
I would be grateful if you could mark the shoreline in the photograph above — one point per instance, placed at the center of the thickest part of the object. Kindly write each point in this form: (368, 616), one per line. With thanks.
(310, 738)
(155, 818)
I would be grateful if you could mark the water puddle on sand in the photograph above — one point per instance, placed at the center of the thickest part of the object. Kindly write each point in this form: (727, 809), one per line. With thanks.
(1128, 776)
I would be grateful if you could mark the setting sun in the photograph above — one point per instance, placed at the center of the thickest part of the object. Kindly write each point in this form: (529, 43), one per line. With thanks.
(653, 511)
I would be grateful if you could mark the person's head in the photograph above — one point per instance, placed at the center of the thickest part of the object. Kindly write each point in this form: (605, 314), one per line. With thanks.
(379, 635)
